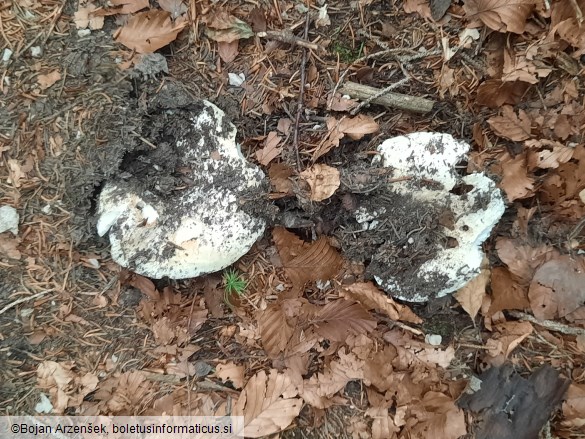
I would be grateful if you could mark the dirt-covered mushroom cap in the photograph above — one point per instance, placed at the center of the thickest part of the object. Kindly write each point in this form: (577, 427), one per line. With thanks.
(197, 225)
(467, 209)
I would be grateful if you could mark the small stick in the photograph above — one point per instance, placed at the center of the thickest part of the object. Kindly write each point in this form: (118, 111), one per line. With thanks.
(377, 95)
(24, 299)
(393, 100)
(300, 100)
(152, 145)
(548, 324)
(286, 36)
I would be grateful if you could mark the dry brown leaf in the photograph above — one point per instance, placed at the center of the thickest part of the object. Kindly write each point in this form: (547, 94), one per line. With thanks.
(268, 404)
(508, 338)
(228, 51)
(574, 407)
(419, 6)
(270, 150)
(231, 372)
(279, 174)
(494, 93)
(566, 24)
(510, 126)
(9, 246)
(323, 181)
(516, 182)
(501, 15)
(84, 18)
(284, 124)
(470, 297)
(223, 27)
(355, 128)
(372, 298)
(45, 81)
(341, 318)
(304, 262)
(275, 331)
(523, 260)
(507, 293)
(557, 288)
(552, 159)
(438, 417)
(148, 31)
(340, 103)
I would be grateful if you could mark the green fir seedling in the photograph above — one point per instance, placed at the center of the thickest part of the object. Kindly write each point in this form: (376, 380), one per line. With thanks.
(233, 283)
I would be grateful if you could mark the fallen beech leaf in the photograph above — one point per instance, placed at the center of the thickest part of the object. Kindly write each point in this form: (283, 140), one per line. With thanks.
(280, 174)
(341, 318)
(557, 287)
(45, 81)
(494, 93)
(223, 27)
(231, 372)
(470, 297)
(275, 332)
(516, 182)
(228, 51)
(9, 246)
(372, 298)
(268, 404)
(523, 260)
(438, 417)
(574, 407)
(501, 15)
(507, 293)
(339, 103)
(565, 22)
(270, 150)
(304, 262)
(508, 338)
(323, 181)
(510, 126)
(148, 31)
(552, 159)
(355, 128)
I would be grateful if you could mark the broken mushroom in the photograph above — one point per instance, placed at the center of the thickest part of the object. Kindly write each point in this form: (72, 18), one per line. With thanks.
(193, 219)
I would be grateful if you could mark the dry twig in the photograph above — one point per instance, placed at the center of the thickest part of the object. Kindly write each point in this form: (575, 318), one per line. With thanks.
(301, 97)
(387, 99)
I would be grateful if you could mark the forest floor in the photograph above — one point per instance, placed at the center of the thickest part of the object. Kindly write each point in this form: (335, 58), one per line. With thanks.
(81, 335)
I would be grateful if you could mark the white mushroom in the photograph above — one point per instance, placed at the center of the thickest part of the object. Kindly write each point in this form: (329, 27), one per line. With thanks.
(475, 210)
(197, 230)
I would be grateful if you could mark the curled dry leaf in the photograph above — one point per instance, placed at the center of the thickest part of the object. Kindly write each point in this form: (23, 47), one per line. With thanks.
(470, 297)
(323, 181)
(148, 31)
(268, 404)
(372, 298)
(223, 27)
(275, 332)
(501, 15)
(354, 127)
(270, 150)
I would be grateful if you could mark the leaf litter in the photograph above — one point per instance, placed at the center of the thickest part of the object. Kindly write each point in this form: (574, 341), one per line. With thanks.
(312, 325)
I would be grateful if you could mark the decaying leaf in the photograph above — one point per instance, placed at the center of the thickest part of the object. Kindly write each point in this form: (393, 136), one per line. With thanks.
(355, 128)
(501, 15)
(268, 404)
(322, 179)
(45, 81)
(9, 246)
(494, 93)
(557, 287)
(507, 292)
(228, 51)
(223, 27)
(148, 31)
(275, 332)
(280, 174)
(340, 318)
(304, 262)
(372, 298)
(270, 150)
